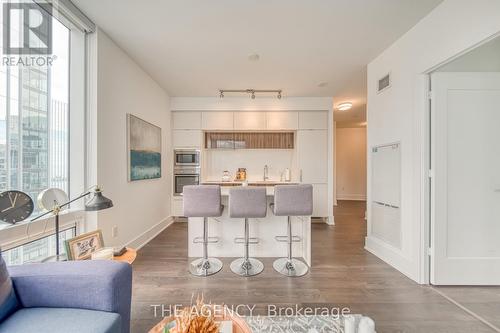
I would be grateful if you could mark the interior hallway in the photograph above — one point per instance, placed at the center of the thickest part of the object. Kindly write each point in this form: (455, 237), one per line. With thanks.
(342, 271)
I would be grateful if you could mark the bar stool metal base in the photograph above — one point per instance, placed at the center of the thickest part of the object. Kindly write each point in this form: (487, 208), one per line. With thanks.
(248, 267)
(205, 267)
(290, 267)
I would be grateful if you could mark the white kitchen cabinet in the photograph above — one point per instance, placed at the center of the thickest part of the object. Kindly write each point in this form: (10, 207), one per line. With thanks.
(177, 207)
(187, 138)
(320, 200)
(276, 120)
(186, 120)
(249, 120)
(217, 120)
(313, 120)
(312, 150)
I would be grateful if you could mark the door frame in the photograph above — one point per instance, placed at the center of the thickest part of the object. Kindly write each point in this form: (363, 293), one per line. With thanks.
(424, 107)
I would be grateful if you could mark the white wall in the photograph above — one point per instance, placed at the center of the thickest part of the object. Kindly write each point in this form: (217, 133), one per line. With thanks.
(351, 163)
(141, 208)
(398, 114)
(485, 58)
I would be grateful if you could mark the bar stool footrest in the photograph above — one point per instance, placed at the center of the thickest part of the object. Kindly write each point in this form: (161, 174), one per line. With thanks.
(241, 240)
(200, 240)
(285, 239)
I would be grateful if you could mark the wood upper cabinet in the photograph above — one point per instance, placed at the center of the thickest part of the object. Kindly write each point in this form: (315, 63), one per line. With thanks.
(186, 120)
(249, 140)
(282, 120)
(313, 120)
(215, 120)
(249, 120)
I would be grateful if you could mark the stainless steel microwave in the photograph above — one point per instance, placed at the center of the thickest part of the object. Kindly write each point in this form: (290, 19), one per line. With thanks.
(187, 157)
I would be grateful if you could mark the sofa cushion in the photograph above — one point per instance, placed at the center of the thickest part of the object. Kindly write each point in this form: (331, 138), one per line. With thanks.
(8, 298)
(59, 320)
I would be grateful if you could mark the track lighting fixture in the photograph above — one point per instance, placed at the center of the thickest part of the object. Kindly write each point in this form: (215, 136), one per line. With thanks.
(251, 92)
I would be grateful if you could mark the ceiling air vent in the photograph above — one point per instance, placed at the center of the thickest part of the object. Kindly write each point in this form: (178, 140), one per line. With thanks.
(384, 83)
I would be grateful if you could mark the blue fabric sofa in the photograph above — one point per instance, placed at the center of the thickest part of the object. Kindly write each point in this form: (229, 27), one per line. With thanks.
(74, 296)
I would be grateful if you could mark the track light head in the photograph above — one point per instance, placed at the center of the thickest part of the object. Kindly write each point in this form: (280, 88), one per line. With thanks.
(221, 95)
(253, 95)
(279, 94)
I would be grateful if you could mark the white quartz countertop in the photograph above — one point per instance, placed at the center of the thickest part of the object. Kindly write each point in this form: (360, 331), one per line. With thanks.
(250, 182)
(226, 186)
(224, 190)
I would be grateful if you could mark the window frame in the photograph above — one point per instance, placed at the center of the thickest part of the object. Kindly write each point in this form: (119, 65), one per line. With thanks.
(25, 232)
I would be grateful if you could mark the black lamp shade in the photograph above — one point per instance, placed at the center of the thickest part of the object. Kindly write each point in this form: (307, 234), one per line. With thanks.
(98, 202)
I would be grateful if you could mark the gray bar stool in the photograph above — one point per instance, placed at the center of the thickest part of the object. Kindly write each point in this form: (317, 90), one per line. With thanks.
(291, 200)
(247, 202)
(203, 201)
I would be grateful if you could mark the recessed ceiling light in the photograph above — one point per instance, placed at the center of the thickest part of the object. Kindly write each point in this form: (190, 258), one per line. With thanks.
(254, 57)
(344, 106)
(322, 84)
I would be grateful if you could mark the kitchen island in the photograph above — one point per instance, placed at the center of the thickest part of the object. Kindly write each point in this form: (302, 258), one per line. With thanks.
(265, 229)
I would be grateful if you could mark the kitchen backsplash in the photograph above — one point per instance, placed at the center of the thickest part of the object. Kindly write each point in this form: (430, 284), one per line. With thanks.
(216, 161)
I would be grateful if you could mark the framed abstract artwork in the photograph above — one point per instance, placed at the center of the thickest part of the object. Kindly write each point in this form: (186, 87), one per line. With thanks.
(143, 149)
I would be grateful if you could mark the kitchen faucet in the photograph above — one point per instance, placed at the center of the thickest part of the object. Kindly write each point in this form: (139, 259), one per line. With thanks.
(266, 171)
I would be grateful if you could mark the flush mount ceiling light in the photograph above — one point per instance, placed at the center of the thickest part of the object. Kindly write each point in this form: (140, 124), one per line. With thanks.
(344, 106)
(254, 57)
(250, 92)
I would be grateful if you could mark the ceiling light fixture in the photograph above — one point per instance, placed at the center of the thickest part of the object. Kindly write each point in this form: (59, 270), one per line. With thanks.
(250, 92)
(254, 57)
(344, 106)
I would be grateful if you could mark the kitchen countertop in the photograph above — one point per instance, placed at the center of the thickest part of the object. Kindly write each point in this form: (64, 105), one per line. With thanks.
(226, 186)
(250, 183)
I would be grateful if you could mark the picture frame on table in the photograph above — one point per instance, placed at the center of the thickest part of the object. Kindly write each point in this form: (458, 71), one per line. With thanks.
(81, 247)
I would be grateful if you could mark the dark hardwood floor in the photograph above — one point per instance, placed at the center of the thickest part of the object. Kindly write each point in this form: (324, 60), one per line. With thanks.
(343, 275)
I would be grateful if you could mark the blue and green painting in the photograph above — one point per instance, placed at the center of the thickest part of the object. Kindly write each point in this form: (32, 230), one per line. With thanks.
(144, 149)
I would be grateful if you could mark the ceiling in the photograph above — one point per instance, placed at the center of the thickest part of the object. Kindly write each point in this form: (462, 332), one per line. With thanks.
(306, 48)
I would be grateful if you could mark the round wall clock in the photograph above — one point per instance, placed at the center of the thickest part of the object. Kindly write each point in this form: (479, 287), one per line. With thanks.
(15, 206)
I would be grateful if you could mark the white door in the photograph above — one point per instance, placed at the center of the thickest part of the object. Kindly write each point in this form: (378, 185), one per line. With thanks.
(465, 204)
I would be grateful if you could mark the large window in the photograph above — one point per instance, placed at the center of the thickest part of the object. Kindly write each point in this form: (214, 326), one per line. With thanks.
(34, 126)
(38, 137)
(37, 250)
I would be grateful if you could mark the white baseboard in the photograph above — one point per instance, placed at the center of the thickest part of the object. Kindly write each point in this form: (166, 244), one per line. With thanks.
(357, 197)
(390, 255)
(151, 233)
